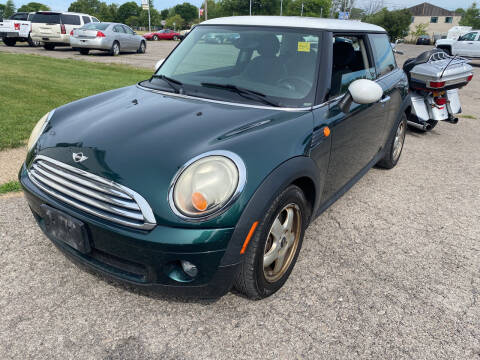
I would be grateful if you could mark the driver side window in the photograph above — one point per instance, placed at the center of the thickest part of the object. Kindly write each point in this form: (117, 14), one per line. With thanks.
(468, 37)
(350, 62)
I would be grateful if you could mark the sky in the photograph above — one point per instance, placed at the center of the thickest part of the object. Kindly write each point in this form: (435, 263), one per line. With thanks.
(62, 5)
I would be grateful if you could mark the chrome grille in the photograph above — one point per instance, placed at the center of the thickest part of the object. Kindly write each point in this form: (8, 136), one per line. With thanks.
(91, 193)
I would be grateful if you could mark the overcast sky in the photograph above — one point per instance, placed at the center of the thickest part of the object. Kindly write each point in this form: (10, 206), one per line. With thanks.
(62, 5)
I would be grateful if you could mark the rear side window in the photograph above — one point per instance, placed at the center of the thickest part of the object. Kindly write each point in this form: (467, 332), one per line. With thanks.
(94, 19)
(70, 19)
(128, 30)
(46, 18)
(86, 19)
(382, 53)
(118, 29)
(19, 17)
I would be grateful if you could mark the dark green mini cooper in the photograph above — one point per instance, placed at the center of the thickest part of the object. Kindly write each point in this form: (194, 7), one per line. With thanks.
(206, 175)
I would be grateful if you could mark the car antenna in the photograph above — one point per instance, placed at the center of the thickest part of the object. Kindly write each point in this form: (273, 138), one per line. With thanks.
(445, 68)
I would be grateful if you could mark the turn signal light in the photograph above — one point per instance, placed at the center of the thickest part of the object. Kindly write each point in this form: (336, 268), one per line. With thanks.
(199, 202)
(71, 33)
(470, 78)
(100, 34)
(437, 84)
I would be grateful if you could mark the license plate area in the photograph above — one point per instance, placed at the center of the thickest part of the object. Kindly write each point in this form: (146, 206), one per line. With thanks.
(65, 228)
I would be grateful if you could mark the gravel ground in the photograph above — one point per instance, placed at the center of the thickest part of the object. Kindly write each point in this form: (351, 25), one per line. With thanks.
(156, 50)
(10, 162)
(391, 270)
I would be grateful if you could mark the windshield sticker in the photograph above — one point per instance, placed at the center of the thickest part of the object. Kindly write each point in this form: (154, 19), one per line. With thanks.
(303, 46)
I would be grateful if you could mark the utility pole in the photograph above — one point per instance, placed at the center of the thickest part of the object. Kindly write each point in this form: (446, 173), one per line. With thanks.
(149, 23)
(281, 7)
(250, 7)
(301, 14)
(206, 10)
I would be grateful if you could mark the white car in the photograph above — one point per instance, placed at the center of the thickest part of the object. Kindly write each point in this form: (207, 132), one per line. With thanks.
(55, 28)
(16, 29)
(467, 45)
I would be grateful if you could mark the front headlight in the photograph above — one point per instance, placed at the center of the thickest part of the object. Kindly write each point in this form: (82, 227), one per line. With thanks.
(207, 184)
(38, 130)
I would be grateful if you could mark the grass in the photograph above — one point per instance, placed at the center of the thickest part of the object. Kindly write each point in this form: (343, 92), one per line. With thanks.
(467, 117)
(11, 186)
(31, 85)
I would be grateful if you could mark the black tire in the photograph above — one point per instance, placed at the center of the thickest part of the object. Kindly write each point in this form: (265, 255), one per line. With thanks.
(32, 43)
(115, 50)
(392, 154)
(250, 279)
(142, 48)
(49, 46)
(175, 38)
(155, 38)
(9, 42)
(84, 51)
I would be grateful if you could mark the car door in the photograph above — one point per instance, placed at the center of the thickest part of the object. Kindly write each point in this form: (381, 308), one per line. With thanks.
(121, 37)
(464, 45)
(130, 38)
(357, 134)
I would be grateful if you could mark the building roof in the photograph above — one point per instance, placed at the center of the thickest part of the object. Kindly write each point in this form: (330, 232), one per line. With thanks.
(295, 22)
(427, 9)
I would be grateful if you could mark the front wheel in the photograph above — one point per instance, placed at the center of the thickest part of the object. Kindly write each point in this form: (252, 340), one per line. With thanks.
(275, 245)
(394, 146)
(175, 38)
(32, 42)
(142, 48)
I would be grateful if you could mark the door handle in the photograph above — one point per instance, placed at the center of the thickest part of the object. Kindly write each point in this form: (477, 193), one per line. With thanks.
(385, 99)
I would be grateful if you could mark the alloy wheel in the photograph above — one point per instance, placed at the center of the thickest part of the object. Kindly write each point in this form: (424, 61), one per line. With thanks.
(399, 140)
(282, 242)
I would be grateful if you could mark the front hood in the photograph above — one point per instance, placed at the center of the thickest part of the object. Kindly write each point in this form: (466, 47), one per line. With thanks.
(444, 42)
(140, 139)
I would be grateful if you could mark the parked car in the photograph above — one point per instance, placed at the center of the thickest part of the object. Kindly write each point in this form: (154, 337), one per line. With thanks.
(17, 29)
(467, 45)
(54, 28)
(207, 174)
(166, 34)
(423, 40)
(111, 37)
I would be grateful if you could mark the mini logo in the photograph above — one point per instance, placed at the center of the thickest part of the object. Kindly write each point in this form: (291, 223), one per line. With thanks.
(79, 157)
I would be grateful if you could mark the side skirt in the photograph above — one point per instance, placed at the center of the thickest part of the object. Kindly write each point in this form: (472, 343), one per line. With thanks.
(348, 185)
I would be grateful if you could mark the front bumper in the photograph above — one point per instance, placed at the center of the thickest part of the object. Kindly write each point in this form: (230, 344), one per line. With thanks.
(145, 259)
(96, 43)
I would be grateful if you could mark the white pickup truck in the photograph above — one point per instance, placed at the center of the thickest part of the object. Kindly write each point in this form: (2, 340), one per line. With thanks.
(17, 29)
(467, 45)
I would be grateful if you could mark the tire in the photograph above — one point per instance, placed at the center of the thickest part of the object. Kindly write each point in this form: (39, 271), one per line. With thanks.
(49, 46)
(155, 38)
(32, 43)
(84, 51)
(175, 38)
(253, 279)
(115, 50)
(142, 48)
(9, 42)
(394, 147)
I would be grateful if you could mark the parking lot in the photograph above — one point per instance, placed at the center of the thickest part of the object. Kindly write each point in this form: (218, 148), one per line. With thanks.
(391, 270)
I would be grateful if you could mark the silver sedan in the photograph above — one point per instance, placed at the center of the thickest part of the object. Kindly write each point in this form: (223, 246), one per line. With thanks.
(111, 37)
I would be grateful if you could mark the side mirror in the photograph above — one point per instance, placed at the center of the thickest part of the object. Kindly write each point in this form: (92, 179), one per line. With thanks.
(361, 91)
(158, 64)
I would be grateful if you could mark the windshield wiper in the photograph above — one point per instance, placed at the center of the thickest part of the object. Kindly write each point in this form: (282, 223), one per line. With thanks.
(243, 92)
(177, 88)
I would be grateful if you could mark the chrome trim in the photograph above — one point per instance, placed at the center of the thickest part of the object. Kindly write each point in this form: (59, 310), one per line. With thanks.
(91, 193)
(242, 180)
(183, 96)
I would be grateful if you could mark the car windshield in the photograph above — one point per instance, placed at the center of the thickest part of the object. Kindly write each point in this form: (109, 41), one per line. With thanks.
(46, 18)
(274, 66)
(95, 26)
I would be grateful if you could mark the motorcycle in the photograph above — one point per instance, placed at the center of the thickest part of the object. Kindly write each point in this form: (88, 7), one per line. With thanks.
(434, 79)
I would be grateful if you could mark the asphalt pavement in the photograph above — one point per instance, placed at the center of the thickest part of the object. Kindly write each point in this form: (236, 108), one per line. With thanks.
(390, 271)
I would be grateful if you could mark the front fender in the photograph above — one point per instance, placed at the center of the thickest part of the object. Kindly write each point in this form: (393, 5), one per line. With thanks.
(284, 175)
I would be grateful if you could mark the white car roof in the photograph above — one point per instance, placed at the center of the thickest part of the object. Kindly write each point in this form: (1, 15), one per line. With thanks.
(296, 22)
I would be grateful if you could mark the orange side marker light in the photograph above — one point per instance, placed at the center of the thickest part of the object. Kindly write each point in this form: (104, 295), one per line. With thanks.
(249, 236)
(326, 131)
(199, 202)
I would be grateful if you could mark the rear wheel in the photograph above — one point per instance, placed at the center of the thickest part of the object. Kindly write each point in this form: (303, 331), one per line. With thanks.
(48, 46)
(142, 48)
(275, 245)
(84, 51)
(155, 37)
(32, 42)
(394, 146)
(9, 42)
(175, 38)
(115, 50)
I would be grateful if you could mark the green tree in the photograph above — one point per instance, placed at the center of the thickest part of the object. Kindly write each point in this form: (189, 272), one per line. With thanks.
(32, 7)
(420, 29)
(2, 10)
(460, 12)
(9, 9)
(313, 8)
(127, 10)
(187, 11)
(471, 17)
(107, 13)
(91, 7)
(357, 13)
(395, 22)
(164, 14)
(177, 19)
